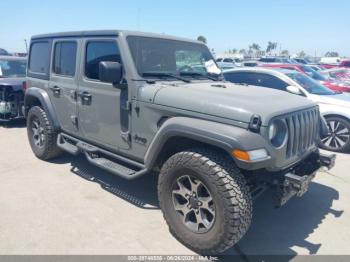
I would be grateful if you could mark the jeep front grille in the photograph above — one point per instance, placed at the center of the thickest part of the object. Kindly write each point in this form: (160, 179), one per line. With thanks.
(303, 129)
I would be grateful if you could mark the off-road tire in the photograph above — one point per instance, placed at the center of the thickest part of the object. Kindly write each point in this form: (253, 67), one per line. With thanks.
(227, 185)
(49, 150)
(337, 147)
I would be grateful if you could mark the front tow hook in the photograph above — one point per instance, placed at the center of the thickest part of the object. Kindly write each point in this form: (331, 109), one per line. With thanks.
(328, 160)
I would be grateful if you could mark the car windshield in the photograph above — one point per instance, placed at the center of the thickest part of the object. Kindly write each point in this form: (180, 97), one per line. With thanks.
(338, 73)
(310, 85)
(313, 74)
(155, 57)
(12, 68)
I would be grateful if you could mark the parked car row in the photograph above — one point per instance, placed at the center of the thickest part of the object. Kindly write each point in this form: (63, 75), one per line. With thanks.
(334, 106)
(329, 82)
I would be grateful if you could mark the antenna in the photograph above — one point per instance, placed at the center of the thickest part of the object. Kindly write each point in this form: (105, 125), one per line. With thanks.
(26, 44)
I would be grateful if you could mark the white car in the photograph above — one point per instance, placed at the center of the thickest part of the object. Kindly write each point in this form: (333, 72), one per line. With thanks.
(334, 106)
(228, 63)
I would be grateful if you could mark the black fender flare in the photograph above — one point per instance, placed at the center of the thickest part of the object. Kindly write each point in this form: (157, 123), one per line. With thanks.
(223, 136)
(33, 93)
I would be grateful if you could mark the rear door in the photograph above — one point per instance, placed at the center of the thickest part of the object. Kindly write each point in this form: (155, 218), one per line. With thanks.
(64, 81)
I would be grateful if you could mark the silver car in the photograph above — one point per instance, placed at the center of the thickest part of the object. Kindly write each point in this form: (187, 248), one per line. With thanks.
(334, 106)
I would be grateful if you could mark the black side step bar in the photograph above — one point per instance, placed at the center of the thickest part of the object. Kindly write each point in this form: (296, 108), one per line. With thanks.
(64, 143)
(123, 167)
(115, 168)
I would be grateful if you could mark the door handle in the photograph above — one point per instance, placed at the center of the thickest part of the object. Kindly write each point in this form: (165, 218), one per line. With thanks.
(56, 90)
(85, 97)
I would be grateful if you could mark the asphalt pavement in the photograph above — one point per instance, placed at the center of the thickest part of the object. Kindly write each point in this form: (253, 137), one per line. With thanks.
(68, 206)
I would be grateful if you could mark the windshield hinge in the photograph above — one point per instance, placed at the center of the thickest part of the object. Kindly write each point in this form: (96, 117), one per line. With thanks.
(255, 123)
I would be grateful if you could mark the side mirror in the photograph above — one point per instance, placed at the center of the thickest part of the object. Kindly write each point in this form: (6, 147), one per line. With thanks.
(294, 90)
(110, 72)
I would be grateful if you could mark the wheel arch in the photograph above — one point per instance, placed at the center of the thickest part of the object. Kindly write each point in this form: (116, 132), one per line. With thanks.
(37, 97)
(180, 133)
(179, 143)
(346, 118)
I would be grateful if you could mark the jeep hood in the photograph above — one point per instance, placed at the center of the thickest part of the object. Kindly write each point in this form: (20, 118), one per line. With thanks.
(230, 101)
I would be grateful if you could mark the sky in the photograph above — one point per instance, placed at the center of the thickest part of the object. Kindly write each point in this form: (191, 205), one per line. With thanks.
(314, 26)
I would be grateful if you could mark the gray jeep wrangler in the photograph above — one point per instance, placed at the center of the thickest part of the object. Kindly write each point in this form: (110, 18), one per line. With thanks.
(133, 103)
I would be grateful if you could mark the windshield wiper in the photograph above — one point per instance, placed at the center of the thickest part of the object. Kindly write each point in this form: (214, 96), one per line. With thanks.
(162, 74)
(193, 74)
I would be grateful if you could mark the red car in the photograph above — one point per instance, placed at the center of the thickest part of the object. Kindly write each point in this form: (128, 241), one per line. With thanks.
(330, 83)
(345, 63)
(329, 66)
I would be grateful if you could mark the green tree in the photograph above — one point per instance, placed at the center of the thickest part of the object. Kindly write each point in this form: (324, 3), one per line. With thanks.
(202, 39)
(243, 51)
(301, 54)
(285, 52)
(332, 54)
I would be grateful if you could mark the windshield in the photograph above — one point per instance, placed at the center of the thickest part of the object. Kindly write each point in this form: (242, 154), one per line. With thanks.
(338, 73)
(12, 68)
(313, 74)
(310, 85)
(154, 57)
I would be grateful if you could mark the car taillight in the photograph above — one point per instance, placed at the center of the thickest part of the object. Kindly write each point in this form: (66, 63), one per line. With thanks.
(24, 86)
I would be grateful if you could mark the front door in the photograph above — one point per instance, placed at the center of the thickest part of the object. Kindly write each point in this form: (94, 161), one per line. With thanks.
(64, 82)
(99, 102)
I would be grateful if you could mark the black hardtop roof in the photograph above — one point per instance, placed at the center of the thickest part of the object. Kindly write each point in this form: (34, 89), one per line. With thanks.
(110, 33)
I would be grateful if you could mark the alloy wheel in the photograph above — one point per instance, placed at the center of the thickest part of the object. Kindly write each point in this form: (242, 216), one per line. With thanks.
(194, 204)
(38, 133)
(338, 135)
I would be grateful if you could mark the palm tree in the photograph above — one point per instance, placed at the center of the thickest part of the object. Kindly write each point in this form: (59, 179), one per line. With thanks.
(271, 46)
(255, 47)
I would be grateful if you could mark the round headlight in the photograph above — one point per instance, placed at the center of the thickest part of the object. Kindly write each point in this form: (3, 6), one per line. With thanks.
(278, 133)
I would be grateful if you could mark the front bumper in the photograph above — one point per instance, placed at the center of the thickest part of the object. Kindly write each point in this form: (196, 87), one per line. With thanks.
(295, 182)
(7, 117)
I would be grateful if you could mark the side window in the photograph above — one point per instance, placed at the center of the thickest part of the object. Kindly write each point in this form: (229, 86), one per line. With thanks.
(64, 62)
(239, 78)
(228, 60)
(99, 51)
(270, 82)
(39, 58)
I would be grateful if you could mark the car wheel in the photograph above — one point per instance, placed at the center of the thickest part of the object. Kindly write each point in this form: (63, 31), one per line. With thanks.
(338, 137)
(41, 135)
(205, 200)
